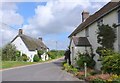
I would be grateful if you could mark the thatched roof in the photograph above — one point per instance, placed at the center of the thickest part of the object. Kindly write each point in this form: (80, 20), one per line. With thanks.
(31, 43)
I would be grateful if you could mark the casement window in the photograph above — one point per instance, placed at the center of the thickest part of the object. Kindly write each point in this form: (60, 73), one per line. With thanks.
(87, 32)
(119, 17)
(100, 22)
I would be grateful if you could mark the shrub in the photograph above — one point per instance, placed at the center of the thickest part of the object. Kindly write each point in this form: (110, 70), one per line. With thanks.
(97, 80)
(70, 68)
(111, 63)
(36, 58)
(18, 56)
(40, 52)
(24, 57)
(67, 67)
(55, 54)
(52, 54)
(114, 78)
(9, 52)
(85, 58)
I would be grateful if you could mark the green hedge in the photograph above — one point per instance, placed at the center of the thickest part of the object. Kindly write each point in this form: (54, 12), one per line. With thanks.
(55, 53)
(85, 58)
(111, 63)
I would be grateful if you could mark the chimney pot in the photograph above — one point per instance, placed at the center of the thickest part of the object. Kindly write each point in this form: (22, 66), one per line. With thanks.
(85, 15)
(20, 31)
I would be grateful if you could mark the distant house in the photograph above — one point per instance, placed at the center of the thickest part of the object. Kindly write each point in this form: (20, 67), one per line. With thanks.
(29, 45)
(84, 37)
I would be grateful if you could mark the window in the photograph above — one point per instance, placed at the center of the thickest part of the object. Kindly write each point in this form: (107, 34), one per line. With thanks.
(87, 32)
(100, 22)
(119, 17)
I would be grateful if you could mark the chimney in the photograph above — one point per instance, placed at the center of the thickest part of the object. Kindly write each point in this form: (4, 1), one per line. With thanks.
(20, 31)
(40, 38)
(85, 15)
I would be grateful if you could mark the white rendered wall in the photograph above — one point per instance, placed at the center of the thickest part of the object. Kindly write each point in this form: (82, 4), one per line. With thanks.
(110, 19)
(22, 47)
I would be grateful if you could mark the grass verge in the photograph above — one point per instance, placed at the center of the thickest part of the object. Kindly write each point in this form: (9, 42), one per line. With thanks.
(10, 64)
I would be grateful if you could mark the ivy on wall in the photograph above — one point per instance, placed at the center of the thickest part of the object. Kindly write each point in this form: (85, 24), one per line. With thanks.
(106, 36)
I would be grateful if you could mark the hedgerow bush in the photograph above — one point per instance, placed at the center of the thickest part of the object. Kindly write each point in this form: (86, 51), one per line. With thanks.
(36, 58)
(111, 63)
(85, 58)
(54, 54)
(9, 52)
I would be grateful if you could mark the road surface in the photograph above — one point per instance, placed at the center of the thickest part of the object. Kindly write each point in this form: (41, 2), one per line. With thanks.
(40, 72)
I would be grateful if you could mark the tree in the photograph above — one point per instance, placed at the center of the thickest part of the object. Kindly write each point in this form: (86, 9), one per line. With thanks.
(9, 52)
(106, 36)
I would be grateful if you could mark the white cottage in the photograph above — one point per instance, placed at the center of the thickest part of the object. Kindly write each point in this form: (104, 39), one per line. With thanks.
(85, 35)
(29, 45)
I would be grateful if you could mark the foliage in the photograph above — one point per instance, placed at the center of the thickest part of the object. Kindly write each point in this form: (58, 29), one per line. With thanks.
(24, 57)
(98, 80)
(40, 52)
(36, 58)
(106, 36)
(9, 53)
(115, 78)
(0, 54)
(85, 58)
(111, 62)
(103, 51)
(70, 68)
(54, 54)
(18, 56)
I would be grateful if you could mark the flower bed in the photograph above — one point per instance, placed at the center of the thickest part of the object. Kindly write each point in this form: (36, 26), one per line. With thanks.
(92, 75)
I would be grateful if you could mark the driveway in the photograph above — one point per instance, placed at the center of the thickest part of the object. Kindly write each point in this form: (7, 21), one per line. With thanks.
(40, 72)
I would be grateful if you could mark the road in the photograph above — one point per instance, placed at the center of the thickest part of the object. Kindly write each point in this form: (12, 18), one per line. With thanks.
(40, 72)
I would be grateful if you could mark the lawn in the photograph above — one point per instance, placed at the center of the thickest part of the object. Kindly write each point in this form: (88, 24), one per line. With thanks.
(9, 64)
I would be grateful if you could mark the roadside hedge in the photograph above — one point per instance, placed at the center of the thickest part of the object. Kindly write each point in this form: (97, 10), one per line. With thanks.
(111, 63)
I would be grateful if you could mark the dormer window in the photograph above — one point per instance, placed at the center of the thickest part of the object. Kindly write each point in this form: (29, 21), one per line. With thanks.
(100, 22)
(119, 17)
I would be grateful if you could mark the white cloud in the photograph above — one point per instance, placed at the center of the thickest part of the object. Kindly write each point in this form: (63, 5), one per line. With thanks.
(9, 14)
(9, 18)
(7, 34)
(58, 16)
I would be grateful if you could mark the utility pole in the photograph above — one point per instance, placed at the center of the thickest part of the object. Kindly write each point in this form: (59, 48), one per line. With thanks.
(56, 45)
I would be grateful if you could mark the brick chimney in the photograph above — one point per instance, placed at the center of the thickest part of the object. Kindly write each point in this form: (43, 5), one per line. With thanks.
(20, 31)
(85, 15)
(40, 38)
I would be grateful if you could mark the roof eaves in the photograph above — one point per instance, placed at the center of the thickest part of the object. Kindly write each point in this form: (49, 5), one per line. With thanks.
(77, 29)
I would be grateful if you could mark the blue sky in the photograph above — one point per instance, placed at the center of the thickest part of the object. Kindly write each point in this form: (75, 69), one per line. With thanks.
(53, 20)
